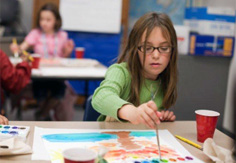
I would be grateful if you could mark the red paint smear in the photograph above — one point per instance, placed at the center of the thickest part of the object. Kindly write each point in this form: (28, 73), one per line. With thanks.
(162, 151)
(149, 151)
(146, 152)
(181, 159)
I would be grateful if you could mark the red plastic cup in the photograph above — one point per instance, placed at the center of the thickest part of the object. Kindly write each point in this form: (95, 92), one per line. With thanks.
(36, 61)
(79, 52)
(79, 155)
(206, 124)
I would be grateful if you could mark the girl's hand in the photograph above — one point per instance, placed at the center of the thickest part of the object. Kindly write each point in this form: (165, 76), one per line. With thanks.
(167, 116)
(3, 120)
(69, 46)
(14, 48)
(144, 114)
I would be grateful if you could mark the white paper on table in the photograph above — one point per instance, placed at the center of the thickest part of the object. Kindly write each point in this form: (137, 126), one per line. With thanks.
(68, 62)
(79, 62)
(41, 154)
(39, 150)
(69, 72)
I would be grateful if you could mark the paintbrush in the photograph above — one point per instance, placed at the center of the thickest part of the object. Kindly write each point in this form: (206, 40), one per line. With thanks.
(28, 56)
(16, 54)
(158, 142)
(153, 94)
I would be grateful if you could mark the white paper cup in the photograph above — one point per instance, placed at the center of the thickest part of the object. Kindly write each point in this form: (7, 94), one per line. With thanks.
(79, 155)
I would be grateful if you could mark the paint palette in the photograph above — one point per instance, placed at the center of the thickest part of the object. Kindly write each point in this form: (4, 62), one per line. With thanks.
(8, 131)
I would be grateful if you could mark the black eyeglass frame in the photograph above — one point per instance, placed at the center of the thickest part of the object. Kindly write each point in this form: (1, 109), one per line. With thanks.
(158, 49)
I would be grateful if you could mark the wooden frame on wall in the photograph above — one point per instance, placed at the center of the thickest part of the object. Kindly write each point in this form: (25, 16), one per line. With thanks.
(124, 20)
(36, 7)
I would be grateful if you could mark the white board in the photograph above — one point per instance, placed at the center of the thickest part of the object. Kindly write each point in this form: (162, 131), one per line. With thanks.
(103, 16)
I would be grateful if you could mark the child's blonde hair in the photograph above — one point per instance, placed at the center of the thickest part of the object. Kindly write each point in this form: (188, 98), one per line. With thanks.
(130, 55)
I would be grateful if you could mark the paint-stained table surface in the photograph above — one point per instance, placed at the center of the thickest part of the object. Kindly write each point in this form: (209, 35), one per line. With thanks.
(186, 129)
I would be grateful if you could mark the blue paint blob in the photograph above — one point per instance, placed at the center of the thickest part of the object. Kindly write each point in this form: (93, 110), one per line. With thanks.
(7, 127)
(5, 132)
(137, 162)
(145, 161)
(143, 133)
(78, 137)
(155, 161)
(14, 127)
(13, 132)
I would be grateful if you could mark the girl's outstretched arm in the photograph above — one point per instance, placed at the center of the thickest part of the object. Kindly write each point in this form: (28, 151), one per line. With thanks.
(107, 97)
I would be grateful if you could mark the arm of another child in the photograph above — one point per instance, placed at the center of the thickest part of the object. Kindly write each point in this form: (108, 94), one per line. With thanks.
(30, 40)
(3, 120)
(14, 78)
(18, 48)
(69, 46)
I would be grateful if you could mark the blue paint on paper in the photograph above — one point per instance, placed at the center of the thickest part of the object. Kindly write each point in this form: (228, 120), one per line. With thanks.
(155, 161)
(78, 137)
(143, 133)
(145, 161)
(13, 132)
(7, 127)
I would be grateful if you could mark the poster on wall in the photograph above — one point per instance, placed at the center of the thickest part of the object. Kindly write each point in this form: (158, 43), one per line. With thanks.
(173, 8)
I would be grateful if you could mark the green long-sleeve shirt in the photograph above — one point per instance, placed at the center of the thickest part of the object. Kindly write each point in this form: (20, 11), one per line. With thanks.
(114, 91)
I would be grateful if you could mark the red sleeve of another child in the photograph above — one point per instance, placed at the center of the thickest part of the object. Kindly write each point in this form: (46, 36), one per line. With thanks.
(13, 79)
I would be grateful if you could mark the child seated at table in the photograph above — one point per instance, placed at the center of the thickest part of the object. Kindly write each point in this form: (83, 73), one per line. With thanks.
(49, 41)
(12, 79)
(144, 80)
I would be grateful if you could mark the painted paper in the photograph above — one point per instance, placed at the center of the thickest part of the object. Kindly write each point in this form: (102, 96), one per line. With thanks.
(123, 145)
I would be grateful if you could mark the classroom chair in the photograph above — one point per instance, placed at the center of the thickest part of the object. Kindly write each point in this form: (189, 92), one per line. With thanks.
(90, 114)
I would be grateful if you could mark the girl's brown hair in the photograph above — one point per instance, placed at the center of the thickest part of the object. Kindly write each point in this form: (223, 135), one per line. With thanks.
(168, 77)
(54, 9)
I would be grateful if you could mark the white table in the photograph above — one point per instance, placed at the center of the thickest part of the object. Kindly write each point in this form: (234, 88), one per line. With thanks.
(186, 129)
(67, 69)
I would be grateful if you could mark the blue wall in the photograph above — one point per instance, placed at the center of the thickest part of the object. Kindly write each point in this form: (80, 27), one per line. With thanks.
(99, 46)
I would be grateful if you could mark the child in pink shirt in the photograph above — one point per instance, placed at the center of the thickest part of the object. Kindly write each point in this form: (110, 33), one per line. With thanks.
(49, 41)
(48, 45)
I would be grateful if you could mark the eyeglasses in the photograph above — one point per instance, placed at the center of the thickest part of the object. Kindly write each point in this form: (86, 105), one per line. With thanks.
(150, 49)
